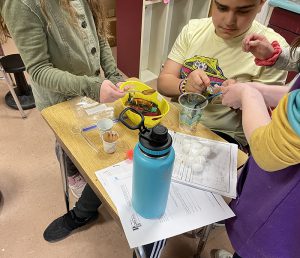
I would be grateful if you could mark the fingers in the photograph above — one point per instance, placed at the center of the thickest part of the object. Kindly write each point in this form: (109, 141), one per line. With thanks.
(252, 40)
(246, 41)
(204, 78)
(229, 82)
(197, 81)
(245, 44)
(116, 89)
(119, 84)
(109, 92)
(223, 89)
(254, 43)
(128, 87)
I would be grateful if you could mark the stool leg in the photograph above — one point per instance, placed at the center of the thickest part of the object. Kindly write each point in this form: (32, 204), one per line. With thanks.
(22, 84)
(12, 91)
(139, 251)
(64, 177)
(203, 240)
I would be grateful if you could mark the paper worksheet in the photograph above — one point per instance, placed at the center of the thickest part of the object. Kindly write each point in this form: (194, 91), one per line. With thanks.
(188, 208)
(205, 164)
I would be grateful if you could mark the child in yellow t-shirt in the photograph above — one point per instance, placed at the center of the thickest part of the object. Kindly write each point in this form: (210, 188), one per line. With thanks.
(209, 51)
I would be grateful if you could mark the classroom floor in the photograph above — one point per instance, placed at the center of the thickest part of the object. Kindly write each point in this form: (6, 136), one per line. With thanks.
(32, 197)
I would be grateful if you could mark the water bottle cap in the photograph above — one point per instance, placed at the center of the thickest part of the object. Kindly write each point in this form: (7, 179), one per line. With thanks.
(156, 139)
(159, 133)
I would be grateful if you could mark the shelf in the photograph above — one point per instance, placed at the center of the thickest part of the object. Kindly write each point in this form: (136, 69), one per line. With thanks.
(110, 19)
(153, 38)
(154, 27)
(147, 75)
(152, 2)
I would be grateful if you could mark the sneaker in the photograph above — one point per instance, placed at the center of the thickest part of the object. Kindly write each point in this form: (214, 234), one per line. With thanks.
(64, 225)
(220, 253)
(76, 184)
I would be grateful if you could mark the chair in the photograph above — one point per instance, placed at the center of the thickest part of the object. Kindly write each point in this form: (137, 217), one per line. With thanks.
(201, 234)
(9, 83)
(20, 95)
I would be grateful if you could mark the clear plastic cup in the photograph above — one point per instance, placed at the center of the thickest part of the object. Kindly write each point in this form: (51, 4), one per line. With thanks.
(109, 140)
(189, 116)
(104, 125)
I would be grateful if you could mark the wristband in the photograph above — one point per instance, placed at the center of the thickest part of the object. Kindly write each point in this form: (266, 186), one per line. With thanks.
(182, 86)
(271, 60)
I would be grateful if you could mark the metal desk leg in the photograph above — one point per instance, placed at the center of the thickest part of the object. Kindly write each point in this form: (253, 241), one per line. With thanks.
(64, 177)
(139, 251)
(203, 240)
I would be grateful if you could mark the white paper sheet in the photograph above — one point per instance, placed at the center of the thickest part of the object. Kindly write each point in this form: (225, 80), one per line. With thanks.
(187, 208)
(205, 164)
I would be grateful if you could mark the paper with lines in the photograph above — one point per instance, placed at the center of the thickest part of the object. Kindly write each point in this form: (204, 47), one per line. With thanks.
(188, 208)
(205, 164)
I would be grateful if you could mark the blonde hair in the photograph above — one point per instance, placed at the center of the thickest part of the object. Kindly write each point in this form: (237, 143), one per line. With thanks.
(96, 8)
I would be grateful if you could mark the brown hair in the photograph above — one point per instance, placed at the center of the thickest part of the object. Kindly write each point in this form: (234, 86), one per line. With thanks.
(96, 8)
(4, 34)
(295, 44)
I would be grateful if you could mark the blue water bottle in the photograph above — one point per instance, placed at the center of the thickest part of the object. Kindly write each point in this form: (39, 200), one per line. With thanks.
(153, 161)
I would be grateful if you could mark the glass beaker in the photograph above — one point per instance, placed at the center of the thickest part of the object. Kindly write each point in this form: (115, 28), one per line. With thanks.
(189, 115)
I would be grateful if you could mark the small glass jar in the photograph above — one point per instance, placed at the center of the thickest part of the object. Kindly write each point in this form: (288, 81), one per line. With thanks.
(210, 90)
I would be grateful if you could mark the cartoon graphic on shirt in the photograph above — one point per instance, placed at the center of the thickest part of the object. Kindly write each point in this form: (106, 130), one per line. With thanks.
(207, 64)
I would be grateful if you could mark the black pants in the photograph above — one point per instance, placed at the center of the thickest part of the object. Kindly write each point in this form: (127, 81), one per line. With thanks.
(88, 203)
(153, 250)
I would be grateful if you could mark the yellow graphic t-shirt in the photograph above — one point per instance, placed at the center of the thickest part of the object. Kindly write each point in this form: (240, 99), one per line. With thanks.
(198, 47)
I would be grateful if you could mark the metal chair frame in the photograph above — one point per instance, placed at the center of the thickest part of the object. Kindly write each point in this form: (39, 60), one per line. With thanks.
(11, 85)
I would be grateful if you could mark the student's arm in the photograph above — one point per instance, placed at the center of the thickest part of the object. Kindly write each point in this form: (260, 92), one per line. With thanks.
(31, 40)
(286, 62)
(108, 63)
(251, 101)
(272, 94)
(263, 50)
(274, 144)
(258, 44)
(169, 78)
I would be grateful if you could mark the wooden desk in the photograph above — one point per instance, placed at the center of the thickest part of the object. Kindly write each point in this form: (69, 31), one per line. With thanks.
(61, 119)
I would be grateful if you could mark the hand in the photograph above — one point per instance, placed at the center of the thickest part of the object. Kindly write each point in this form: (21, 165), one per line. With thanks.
(197, 81)
(258, 45)
(118, 84)
(233, 94)
(229, 82)
(109, 92)
(216, 88)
